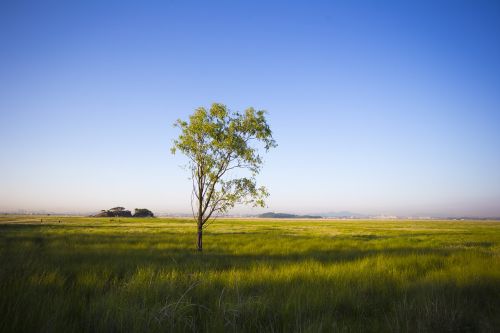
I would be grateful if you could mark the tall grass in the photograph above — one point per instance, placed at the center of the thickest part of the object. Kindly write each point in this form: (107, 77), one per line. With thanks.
(143, 275)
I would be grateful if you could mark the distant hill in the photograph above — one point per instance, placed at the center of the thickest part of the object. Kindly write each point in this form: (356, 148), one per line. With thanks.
(287, 216)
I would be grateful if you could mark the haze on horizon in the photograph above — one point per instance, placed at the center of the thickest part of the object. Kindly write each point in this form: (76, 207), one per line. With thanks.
(378, 108)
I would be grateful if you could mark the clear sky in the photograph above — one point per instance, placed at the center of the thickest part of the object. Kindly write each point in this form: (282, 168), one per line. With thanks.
(378, 107)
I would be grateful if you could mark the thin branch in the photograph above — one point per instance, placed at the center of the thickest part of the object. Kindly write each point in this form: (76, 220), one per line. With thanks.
(214, 208)
(220, 173)
(192, 208)
(194, 182)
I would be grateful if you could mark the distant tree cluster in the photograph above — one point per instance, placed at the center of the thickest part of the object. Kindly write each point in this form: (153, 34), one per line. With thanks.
(122, 212)
(143, 212)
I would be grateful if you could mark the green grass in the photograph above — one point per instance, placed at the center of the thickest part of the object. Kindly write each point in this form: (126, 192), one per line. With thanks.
(143, 275)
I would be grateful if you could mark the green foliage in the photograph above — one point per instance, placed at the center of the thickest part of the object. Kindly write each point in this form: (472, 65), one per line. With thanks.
(141, 275)
(217, 142)
(114, 212)
(143, 212)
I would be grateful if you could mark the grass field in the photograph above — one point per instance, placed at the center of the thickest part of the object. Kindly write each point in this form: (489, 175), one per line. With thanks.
(143, 275)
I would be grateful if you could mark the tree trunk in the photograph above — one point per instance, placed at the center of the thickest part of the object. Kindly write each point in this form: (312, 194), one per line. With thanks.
(200, 242)
(200, 211)
(200, 233)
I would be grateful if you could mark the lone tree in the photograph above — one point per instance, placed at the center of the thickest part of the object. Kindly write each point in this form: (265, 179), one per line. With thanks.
(220, 144)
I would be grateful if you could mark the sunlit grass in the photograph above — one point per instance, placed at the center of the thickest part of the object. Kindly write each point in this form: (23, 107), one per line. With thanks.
(85, 274)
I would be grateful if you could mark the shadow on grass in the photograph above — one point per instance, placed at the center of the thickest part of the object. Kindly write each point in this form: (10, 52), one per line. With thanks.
(167, 249)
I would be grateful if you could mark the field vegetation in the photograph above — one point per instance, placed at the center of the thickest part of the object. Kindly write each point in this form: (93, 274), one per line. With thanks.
(69, 274)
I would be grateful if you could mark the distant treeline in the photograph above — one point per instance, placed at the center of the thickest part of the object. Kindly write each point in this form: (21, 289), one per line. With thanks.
(122, 212)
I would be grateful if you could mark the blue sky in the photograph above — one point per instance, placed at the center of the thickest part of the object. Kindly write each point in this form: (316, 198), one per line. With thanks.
(378, 107)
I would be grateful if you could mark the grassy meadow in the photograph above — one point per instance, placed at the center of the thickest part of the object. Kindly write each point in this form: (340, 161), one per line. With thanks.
(69, 274)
